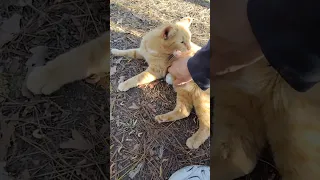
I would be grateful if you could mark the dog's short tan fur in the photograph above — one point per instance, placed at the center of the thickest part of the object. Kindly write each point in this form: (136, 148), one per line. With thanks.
(156, 46)
(255, 105)
(91, 58)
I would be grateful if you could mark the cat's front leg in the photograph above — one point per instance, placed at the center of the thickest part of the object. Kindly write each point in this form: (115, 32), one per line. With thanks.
(202, 107)
(145, 77)
(182, 109)
(132, 53)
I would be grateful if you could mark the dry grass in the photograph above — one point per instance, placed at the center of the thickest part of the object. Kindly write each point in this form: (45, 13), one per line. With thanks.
(138, 143)
(42, 123)
(136, 139)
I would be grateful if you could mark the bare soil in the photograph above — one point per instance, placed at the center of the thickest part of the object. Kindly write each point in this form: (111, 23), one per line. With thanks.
(36, 130)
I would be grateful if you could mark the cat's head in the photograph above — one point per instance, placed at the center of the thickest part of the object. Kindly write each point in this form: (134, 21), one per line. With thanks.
(174, 36)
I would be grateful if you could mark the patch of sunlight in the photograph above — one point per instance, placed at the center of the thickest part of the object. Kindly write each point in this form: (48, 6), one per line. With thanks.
(118, 28)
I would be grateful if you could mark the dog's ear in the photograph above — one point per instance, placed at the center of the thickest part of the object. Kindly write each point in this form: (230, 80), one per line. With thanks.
(186, 21)
(167, 32)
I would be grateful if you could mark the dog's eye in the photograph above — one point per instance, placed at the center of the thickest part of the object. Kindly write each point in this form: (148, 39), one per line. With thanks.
(182, 42)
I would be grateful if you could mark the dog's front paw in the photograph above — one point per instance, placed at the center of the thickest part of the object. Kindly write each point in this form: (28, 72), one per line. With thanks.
(193, 143)
(162, 118)
(123, 87)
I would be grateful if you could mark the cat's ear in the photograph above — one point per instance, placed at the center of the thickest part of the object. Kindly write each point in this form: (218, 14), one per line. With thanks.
(186, 21)
(167, 32)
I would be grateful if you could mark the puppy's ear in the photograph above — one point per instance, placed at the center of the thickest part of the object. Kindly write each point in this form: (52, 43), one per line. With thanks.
(167, 32)
(186, 21)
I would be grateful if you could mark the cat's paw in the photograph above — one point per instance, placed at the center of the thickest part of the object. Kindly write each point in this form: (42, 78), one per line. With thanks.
(193, 143)
(162, 118)
(115, 52)
(93, 79)
(123, 87)
(48, 89)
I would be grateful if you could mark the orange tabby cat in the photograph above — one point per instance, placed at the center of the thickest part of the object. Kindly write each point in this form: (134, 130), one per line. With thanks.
(255, 105)
(88, 59)
(156, 47)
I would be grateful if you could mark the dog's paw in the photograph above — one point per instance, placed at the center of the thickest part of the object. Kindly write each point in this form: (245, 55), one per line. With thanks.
(123, 87)
(192, 143)
(162, 118)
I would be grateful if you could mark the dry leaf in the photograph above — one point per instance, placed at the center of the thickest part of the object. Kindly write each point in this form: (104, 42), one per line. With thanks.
(119, 60)
(113, 70)
(82, 162)
(78, 142)
(79, 26)
(36, 133)
(92, 122)
(161, 150)
(134, 106)
(9, 28)
(38, 57)
(7, 131)
(14, 66)
(121, 79)
(119, 21)
(104, 129)
(152, 107)
(3, 173)
(136, 170)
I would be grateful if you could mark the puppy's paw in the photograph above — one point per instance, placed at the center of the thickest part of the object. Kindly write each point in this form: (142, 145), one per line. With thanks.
(193, 143)
(162, 118)
(123, 87)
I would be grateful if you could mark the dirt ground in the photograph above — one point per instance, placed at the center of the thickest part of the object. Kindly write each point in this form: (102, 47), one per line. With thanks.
(140, 147)
(65, 135)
